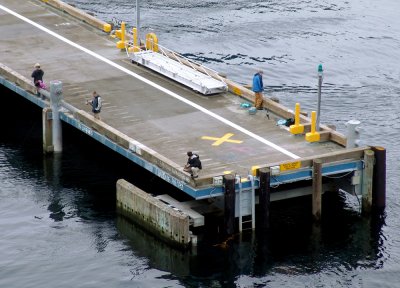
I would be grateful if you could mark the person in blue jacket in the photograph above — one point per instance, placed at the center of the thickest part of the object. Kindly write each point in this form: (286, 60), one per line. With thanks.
(258, 88)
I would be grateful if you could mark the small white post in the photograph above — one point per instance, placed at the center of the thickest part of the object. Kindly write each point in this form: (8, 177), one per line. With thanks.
(352, 134)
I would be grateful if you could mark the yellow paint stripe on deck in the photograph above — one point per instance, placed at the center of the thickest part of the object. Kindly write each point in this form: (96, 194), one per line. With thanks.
(225, 138)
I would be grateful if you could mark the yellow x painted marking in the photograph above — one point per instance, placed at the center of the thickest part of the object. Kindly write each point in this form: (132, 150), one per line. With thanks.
(219, 141)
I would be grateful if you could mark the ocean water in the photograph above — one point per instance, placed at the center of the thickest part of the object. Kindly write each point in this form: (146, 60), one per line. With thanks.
(57, 214)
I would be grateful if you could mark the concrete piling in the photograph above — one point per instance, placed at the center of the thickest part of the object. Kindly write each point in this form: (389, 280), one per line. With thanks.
(55, 103)
(229, 211)
(47, 126)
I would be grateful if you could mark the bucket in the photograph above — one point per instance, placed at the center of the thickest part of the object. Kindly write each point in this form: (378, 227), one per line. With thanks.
(252, 110)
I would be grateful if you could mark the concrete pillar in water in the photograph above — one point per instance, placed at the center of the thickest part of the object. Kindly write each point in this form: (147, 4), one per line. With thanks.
(367, 181)
(47, 121)
(55, 104)
(264, 198)
(379, 179)
(317, 190)
(229, 212)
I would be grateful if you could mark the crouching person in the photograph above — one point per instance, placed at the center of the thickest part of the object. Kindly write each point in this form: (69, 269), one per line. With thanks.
(193, 164)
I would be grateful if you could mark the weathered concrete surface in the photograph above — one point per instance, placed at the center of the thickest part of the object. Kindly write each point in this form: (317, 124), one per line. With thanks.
(327, 133)
(154, 215)
(17, 78)
(135, 110)
(91, 20)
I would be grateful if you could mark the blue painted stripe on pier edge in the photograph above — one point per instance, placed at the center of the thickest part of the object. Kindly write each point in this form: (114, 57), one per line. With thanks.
(295, 176)
(307, 174)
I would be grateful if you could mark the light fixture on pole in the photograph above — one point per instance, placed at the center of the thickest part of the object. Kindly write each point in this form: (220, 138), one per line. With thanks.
(320, 77)
(138, 21)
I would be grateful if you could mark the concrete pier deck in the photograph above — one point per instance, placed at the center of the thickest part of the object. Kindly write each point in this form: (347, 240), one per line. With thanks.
(158, 113)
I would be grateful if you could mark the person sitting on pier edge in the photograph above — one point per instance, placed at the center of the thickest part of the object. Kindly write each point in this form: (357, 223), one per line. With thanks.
(193, 164)
(258, 88)
(37, 76)
(96, 105)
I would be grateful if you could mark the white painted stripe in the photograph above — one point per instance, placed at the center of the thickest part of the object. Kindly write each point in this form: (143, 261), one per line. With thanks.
(180, 98)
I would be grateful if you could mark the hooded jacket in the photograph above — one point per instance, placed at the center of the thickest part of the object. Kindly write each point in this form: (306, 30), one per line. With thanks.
(258, 85)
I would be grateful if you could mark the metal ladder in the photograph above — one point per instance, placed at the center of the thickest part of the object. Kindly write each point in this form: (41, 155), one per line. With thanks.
(252, 200)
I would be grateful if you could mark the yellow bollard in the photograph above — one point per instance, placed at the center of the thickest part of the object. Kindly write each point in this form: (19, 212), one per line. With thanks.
(135, 47)
(152, 42)
(134, 32)
(106, 27)
(254, 170)
(297, 128)
(313, 136)
(121, 43)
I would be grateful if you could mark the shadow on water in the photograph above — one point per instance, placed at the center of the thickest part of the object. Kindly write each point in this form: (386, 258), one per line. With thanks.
(86, 173)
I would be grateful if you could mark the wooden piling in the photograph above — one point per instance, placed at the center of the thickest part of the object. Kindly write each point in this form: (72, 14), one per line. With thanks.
(379, 179)
(47, 123)
(367, 181)
(317, 190)
(264, 197)
(229, 212)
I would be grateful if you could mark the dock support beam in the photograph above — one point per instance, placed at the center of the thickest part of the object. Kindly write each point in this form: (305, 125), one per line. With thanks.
(317, 190)
(47, 126)
(229, 212)
(367, 181)
(264, 198)
(55, 104)
(379, 179)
